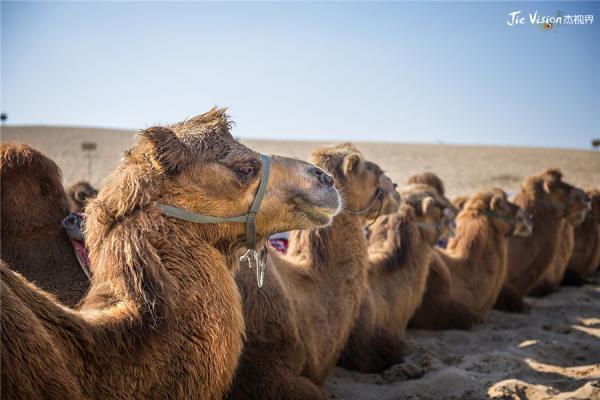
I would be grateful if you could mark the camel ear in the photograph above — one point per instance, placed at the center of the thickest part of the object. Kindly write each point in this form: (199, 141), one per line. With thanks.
(427, 205)
(495, 203)
(548, 185)
(351, 161)
(170, 154)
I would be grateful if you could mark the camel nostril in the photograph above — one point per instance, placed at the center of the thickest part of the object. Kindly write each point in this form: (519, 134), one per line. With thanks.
(323, 177)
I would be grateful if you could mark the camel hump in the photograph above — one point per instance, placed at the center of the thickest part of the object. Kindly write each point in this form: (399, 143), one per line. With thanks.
(31, 178)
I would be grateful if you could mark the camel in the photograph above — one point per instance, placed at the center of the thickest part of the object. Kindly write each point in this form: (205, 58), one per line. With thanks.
(163, 317)
(549, 200)
(297, 325)
(79, 193)
(471, 271)
(553, 276)
(399, 251)
(585, 259)
(33, 204)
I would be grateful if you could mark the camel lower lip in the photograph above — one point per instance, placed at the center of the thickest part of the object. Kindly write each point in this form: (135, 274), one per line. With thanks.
(319, 215)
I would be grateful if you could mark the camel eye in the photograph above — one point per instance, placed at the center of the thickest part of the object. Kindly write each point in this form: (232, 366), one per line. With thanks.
(246, 170)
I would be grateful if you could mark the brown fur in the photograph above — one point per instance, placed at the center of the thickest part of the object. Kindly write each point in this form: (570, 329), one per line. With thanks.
(470, 272)
(549, 200)
(430, 179)
(33, 241)
(163, 317)
(78, 194)
(399, 252)
(459, 202)
(298, 324)
(585, 260)
(553, 276)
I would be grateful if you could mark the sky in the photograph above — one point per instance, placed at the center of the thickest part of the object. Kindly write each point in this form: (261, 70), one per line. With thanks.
(450, 72)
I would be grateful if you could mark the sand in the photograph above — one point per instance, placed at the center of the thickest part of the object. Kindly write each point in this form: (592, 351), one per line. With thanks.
(464, 169)
(552, 352)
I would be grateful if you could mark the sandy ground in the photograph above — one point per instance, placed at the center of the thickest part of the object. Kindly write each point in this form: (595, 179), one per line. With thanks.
(464, 169)
(553, 352)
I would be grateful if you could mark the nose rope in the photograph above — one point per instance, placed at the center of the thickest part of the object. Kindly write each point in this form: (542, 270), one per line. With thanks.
(378, 196)
(251, 256)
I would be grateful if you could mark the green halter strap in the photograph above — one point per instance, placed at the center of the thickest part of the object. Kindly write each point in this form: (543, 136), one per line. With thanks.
(249, 219)
(510, 220)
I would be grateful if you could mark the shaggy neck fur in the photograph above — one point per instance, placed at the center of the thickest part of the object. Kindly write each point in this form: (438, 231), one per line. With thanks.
(398, 273)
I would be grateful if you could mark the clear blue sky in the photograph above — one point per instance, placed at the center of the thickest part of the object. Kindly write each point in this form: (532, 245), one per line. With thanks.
(453, 72)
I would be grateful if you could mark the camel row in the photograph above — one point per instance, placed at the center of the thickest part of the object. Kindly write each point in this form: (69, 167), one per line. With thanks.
(171, 311)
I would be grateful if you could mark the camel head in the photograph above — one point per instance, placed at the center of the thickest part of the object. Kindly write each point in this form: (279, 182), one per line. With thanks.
(430, 179)
(594, 195)
(28, 174)
(433, 212)
(548, 192)
(78, 194)
(505, 216)
(197, 166)
(391, 197)
(358, 179)
(579, 204)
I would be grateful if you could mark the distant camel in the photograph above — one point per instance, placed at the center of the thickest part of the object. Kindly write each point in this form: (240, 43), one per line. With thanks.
(163, 317)
(33, 241)
(585, 260)
(549, 200)
(79, 193)
(471, 271)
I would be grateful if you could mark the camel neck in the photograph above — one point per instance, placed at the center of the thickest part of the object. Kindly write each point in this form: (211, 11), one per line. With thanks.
(475, 239)
(399, 249)
(338, 249)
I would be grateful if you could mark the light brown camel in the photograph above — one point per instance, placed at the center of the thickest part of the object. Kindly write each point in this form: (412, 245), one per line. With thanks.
(473, 267)
(549, 200)
(298, 323)
(550, 281)
(586, 252)
(399, 250)
(163, 317)
(33, 242)
(78, 194)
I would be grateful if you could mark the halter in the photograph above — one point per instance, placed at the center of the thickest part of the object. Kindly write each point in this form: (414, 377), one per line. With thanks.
(249, 219)
(378, 196)
(510, 220)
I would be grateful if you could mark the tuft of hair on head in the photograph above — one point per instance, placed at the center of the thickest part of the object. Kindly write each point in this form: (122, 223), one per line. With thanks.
(430, 179)
(337, 159)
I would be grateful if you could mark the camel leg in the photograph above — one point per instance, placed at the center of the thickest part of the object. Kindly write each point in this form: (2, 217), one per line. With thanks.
(302, 389)
(543, 288)
(573, 279)
(510, 301)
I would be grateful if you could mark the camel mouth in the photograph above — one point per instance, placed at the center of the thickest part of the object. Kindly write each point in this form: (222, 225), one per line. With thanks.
(319, 207)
